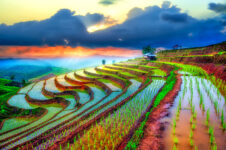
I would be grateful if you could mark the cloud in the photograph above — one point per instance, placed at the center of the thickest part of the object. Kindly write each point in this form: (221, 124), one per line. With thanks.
(217, 7)
(134, 12)
(64, 51)
(62, 28)
(53, 31)
(177, 18)
(159, 26)
(107, 2)
(91, 19)
(166, 4)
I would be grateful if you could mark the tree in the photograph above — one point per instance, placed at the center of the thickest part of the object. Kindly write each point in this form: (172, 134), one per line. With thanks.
(177, 46)
(148, 49)
(103, 61)
(23, 82)
(12, 77)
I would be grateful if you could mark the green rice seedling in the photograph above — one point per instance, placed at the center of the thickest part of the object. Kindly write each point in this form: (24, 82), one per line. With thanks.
(199, 91)
(174, 147)
(210, 131)
(196, 148)
(185, 83)
(191, 89)
(203, 106)
(74, 148)
(193, 126)
(191, 142)
(222, 117)
(207, 117)
(191, 134)
(184, 92)
(193, 109)
(175, 140)
(113, 146)
(191, 120)
(78, 136)
(195, 115)
(174, 122)
(212, 139)
(68, 145)
(201, 100)
(191, 102)
(178, 113)
(218, 94)
(179, 105)
(80, 141)
(174, 130)
(214, 147)
(216, 107)
(224, 126)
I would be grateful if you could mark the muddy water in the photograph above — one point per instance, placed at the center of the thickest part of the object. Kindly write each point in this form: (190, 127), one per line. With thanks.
(220, 136)
(183, 125)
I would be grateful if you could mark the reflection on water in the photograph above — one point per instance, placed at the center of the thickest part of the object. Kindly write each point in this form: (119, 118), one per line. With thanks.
(189, 92)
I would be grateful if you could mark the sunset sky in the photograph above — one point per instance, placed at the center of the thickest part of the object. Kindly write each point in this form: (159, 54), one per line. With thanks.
(36, 28)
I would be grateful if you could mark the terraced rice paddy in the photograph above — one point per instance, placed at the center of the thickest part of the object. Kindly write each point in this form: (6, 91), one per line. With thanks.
(50, 86)
(197, 112)
(36, 91)
(20, 101)
(108, 107)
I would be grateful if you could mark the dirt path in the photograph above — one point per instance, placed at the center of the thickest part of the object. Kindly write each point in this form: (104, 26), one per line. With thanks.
(152, 139)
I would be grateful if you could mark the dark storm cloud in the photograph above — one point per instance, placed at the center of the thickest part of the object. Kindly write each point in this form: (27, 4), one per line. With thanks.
(175, 17)
(53, 31)
(60, 29)
(108, 2)
(159, 26)
(218, 7)
(91, 19)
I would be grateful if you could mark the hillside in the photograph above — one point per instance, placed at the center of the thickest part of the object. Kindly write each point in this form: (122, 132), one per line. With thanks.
(118, 106)
(27, 72)
(7, 111)
(211, 58)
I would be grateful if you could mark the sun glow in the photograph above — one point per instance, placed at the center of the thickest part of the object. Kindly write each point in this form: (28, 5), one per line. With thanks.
(97, 27)
(62, 51)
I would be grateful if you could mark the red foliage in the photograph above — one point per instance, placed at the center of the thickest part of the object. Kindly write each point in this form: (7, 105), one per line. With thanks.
(218, 71)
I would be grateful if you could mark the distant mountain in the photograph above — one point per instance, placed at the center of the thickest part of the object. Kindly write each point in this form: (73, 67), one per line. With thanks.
(33, 69)
(27, 72)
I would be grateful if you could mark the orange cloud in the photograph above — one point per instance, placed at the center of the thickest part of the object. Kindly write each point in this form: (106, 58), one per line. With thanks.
(61, 51)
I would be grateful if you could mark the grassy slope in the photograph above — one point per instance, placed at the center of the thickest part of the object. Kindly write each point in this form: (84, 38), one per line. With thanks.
(7, 111)
(6, 89)
(55, 70)
(205, 50)
(5, 93)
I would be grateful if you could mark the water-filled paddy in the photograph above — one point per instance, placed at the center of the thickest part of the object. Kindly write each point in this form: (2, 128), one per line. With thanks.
(189, 125)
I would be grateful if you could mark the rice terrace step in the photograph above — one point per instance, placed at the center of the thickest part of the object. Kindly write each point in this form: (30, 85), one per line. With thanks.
(100, 107)
(112, 75)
